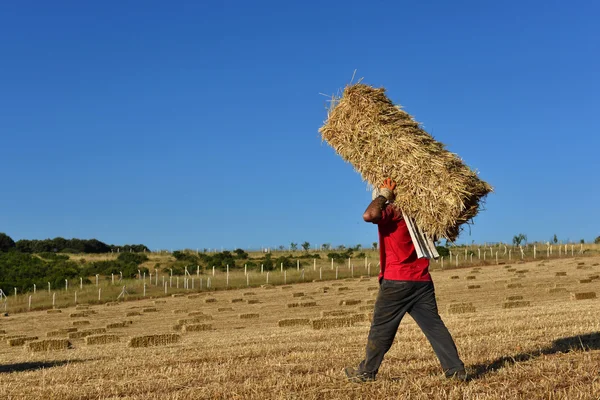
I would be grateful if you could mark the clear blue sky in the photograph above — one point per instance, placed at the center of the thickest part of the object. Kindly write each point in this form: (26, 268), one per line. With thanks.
(195, 124)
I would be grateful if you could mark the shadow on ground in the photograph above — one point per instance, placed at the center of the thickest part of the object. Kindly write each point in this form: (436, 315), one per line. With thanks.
(587, 342)
(35, 365)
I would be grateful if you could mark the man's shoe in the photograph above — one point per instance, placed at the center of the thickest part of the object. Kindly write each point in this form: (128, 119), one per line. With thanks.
(356, 376)
(461, 375)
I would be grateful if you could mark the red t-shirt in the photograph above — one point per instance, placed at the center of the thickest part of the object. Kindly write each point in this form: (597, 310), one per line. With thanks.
(397, 253)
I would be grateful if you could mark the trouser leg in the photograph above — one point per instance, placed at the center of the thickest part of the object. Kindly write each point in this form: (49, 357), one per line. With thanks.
(425, 313)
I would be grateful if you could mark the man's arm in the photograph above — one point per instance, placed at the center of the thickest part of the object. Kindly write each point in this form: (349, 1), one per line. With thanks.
(373, 213)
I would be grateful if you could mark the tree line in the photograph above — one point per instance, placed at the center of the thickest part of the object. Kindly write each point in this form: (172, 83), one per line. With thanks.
(62, 245)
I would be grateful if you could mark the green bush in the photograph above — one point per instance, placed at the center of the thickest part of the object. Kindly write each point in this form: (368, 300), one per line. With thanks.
(134, 258)
(6, 242)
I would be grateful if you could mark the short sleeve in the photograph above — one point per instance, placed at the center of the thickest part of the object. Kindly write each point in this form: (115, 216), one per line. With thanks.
(390, 214)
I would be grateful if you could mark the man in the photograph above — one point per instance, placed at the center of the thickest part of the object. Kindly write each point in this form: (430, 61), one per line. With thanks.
(405, 287)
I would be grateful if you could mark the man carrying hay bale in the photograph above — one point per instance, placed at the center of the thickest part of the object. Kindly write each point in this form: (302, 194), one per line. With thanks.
(405, 287)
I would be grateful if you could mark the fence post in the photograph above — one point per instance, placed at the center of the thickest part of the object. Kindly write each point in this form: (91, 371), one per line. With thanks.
(99, 293)
(53, 300)
(29, 307)
(75, 297)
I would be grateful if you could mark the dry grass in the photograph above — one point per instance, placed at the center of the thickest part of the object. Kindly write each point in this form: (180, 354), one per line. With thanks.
(516, 353)
(461, 308)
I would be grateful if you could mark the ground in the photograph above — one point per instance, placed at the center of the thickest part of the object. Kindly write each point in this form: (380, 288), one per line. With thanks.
(549, 349)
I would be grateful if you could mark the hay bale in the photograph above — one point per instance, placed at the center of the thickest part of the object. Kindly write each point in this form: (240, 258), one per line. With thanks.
(19, 341)
(48, 345)
(470, 287)
(87, 332)
(253, 301)
(81, 322)
(455, 277)
(282, 323)
(343, 288)
(522, 271)
(460, 308)
(162, 339)
(115, 325)
(210, 300)
(286, 287)
(515, 304)
(198, 314)
(580, 263)
(350, 302)
(298, 294)
(371, 288)
(543, 285)
(308, 304)
(54, 311)
(585, 281)
(332, 322)
(471, 277)
(381, 140)
(514, 286)
(223, 309)
(508, 266)
(197, 327)
(101, 339)
(132, 313)
(111, 303)
(149, 309)
(78, 315)
(237, 300)
(583, 295)
(293, 305)
(60, 332)
(195, 320)
(249, 316)
(513, 298)
(337, 284)
(560, 273)
(179, 311)
(557, 290)
(511, 269)
(156, 302)
(334, 313)
(193, 296)
(594, 277)
(267, 286)
(2, 332)
(249, 294)
(178, 295)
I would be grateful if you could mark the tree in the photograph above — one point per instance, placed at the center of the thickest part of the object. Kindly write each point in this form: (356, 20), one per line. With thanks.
(518, 239)
(325, 246)
(306, 246)
(293, 246)
(341, 247)
(374, 245)
(582, 241)
(555, 239)
(358, 247)
(281, 247)
(597, 240)
(6, 242)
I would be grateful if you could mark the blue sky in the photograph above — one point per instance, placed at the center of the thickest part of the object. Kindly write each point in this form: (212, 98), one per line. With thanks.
(195, 124)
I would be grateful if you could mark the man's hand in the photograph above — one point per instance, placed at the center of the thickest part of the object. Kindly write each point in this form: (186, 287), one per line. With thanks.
(387, 189)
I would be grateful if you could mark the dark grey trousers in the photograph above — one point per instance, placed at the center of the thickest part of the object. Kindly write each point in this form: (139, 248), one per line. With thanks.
(395, 299)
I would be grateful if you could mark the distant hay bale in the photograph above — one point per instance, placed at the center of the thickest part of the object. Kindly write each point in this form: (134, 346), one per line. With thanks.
(383, 141)
(178, 295)
(179, 311)
(132, 313)
(210, 300)
(2, 332)
(511, 269)
(580, 263)
(371, 288)
(253, 301)
(594, 277)
(460, 308)
(298, 294)
(543, 285)
(595, 264)
(293, 305)
(19, 341)
(193, 296)
(522, 271)
(197, 314)
(557, 290)
(471, 287)
(513, 298)
(308, 304)
(343, 288)
(337, 284)
(560, 273)
(508, 266)
(471, 277)
(583, 295)
(282, 323)
(87, 332)
(60, 332)
(455, 277)
(195, 320)
(156, 302)
(81, 322)
(115, 325)
(515, 304)
(237, 300)
(54, 311)
(335, 313)
(249, 294)
(249, 316)
(197, 327)
(101, 339)
(286, 287)
(585, 281)
(267, 286)
(349, 302)
(48, 345)
(332, 322)
(223, 309)
(514, 286)
(162, 339)
(149, 309)
(78, 315)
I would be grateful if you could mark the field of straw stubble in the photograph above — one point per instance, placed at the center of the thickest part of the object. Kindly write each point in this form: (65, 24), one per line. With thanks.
(520, 330)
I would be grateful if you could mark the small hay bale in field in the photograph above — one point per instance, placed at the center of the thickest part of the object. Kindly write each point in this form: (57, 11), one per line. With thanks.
(149, 309)
(580, 263)
(162, 339)
(515, 304)
(500, 281)
(114, 325)
(210, 300)
(132, 313)
(223, 309)
(179, 311)
(249, 316)
(293, 305)
(455, 277)
(112, 303)
(557, 290)
(471, 277)
(511, 269)
(197, 327)
(193, 296)
(293, 322)
(177, 327)
(197, 314)
(594, 277)
(349, 302)
(543, 285)
(249, 294)
(585, 281)
(513, 298)
(286, 287)
(335, 313)
(514, 286)
(332, 322)
(371, 288)
(178, 295)
(508, 266)
(298, 294)
(156, 302)
(471, 287)
(343, 288)
(194, 320)
(19, 341)
(308, 304)
(460, 308)
(522, 271)
(337, 284)
(253, 301)
(560, 273)
(78, 315)
(383, 141)
(267, 286)
(475, 271)
(101, 339)
(237, 300)
(583, 295)
(595, 264)
(2, 332)
(53, 311)
(60, 332)
(13, 336)
(48, 345)
(81, 323)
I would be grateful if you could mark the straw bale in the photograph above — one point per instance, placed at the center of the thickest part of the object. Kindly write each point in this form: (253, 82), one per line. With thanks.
(514, 286)
(154, 340)
(515, 304)
(132, 313)
(557, 290)
(512, 270)
(198, 314)
(508, 266)
(522, 271)
(78, 315)
(293, 305)
(473, 286)
(223, 309)
(81, 322)
(337, 284)
(293, 322)
(178, 295)
(2, 332)
(583, 295)
(334, 313)
(581, 263)
(195, 320)
(513, 298)
(149, 309)
(595, 264)
(210, 300)
(253, 301)
(349, 302)
(54, 311)
(298, 294)
(249, 294)
(594, 277)
(286, 287)
(197, 327)
(19, 341)
(60, 332)
(114, 325)
(179, 311)
(13, 336)
(249, 316)
(455, 277)
(101, 339)
(332, 322)
(471, 277)
(343, 288)
(371, 288)
(585, 281)
(267, 286)
(237, 300)
(87, 332)
(460, 308)
(48, 345)
(381, 140)
(543, 285)
(156, 302)
(308, 304)
(561, 273)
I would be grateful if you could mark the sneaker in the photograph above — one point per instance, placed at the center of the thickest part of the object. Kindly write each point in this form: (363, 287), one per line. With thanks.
(460, 375)
(356, 376)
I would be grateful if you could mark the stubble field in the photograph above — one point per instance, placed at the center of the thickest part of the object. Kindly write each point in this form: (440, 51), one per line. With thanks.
(519, 330)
